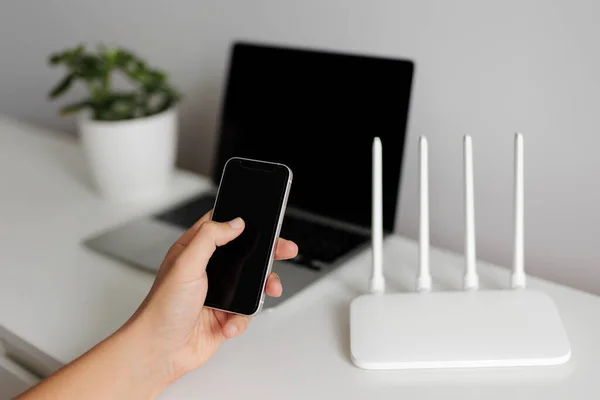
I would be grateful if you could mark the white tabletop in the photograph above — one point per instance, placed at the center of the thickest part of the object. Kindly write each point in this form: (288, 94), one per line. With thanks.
(61, 298)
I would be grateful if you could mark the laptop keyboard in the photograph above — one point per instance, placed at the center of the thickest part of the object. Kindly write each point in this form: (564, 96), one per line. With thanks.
(318, 244)
(186, 214)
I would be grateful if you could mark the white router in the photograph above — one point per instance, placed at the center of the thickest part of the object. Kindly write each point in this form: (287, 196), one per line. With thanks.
(460, 329)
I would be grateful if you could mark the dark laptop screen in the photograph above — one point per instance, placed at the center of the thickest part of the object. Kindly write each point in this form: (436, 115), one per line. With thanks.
(318, 113)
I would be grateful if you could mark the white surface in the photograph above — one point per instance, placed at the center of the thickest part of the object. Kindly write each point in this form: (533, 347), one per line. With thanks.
(131, 160)
(482, 329)
(483, 68)
(377, 283)
(62, 299)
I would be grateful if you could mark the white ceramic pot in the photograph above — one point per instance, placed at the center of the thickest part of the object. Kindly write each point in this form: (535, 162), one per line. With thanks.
(131, 160)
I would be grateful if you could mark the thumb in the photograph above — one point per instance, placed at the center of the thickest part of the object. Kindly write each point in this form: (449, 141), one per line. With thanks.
(210, 235)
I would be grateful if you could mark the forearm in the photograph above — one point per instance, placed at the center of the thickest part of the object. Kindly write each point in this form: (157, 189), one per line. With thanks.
(121, 367)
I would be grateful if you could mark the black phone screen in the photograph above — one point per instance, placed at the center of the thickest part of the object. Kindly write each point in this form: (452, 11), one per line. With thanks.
(254, 191)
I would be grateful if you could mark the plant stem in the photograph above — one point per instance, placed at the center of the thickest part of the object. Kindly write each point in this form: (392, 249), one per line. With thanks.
(107, 81)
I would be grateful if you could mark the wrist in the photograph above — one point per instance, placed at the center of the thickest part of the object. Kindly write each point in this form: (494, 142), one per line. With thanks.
(148, 362)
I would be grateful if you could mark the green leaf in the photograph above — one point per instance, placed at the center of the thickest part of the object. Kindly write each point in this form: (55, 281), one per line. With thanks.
(62, 86)
(78, 50)
(57, 58)
(101, 114)
(109, 55)
(124, 109)
(158, 76)
(122, 58)
(121, 96)
(65, 56)
(91, 67)
(74, 107)
(116, 106)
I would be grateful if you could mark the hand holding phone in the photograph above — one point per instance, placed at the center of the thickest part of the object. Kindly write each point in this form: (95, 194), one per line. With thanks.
(256, 191)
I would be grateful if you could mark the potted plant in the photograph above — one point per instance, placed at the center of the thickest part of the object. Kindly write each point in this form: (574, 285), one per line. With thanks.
(129, 136)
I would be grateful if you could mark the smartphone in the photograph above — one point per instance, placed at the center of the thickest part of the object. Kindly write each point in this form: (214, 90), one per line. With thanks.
(256, 191)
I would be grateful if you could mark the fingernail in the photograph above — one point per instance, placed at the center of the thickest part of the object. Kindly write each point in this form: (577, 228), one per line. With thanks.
(236, 223)
(231, 330)
(279, 281)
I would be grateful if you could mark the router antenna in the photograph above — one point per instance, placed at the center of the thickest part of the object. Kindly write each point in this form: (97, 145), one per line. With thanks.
(471, 280)
(424, 278)
(377, 279)
(518, 279)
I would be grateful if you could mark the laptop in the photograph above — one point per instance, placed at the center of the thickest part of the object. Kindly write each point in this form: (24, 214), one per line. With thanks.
(317, 112)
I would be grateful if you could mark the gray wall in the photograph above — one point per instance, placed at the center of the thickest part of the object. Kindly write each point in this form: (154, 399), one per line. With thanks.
(483, 68)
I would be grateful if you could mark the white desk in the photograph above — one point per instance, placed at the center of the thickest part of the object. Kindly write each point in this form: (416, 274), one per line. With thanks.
(57, 299)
